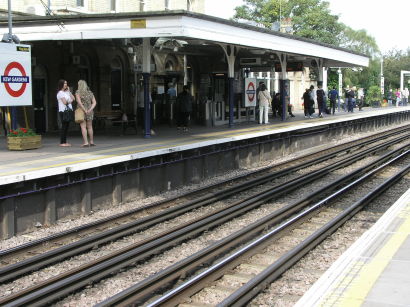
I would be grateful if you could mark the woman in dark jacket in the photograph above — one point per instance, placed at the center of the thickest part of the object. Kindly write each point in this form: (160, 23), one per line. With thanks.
(184, 107)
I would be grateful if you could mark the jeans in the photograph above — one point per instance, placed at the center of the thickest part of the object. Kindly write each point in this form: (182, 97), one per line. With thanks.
(64, 129)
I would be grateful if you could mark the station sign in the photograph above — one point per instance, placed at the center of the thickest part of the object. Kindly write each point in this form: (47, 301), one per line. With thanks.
(291, 66)
(15, 75)
(250, 92)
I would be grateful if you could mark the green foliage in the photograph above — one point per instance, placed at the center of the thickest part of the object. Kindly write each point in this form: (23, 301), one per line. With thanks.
(358, 41)
(313, 19)
(310, 19)
(21, 132)
(393, 62)
(373, 95)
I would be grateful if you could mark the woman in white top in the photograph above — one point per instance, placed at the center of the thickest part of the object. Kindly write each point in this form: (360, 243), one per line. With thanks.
(264, 102)
(65, 99)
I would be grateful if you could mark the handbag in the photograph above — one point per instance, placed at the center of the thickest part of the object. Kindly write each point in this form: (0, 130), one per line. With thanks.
(79, 115)
(68, 115)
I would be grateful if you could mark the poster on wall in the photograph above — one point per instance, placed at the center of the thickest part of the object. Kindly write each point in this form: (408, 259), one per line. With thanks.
(15, 72)
(250, 92)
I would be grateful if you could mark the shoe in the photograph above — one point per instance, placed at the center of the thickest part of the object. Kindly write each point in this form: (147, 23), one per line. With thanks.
(306, 116)
(152, 132)
(92, 144)
(310, 116)
(85, 145)
(320, 115)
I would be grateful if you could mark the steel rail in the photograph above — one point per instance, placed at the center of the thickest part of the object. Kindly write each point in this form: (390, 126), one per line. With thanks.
(138, 293)
(36, 262)
(113, 219)
(260, 281)
(73, 280)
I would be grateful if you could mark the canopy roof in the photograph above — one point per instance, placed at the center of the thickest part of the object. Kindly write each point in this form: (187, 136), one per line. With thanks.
(196, 29)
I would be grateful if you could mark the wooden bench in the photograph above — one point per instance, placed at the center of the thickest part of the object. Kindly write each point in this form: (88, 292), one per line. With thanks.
(114, 118)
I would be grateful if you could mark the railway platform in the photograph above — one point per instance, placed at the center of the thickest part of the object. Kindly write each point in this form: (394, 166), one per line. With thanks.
(53, 182)
(374, 271)
(50, 159)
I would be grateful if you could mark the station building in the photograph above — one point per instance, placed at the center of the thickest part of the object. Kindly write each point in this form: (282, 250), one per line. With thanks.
(124, 55)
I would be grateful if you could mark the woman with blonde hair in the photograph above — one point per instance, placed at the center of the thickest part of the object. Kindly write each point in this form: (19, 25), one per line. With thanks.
(86, 101)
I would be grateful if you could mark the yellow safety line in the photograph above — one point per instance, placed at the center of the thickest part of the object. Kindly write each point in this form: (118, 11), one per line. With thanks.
(363, 283)
(70, 156)
(78, 161)
(182, 141)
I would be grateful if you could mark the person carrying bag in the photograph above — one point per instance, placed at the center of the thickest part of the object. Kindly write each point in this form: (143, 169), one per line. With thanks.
(79, 115)
(65, 110)
(68, 115)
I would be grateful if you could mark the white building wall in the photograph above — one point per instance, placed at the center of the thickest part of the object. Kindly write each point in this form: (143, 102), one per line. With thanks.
(100, 6)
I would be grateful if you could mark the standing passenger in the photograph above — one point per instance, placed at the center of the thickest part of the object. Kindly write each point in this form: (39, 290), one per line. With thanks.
(398, 97)
(65, 99)
(86, 101)
(264, 102)
(276, 109)
(184, 106)
(308, 103)
(351, 99)
(321, 102)
(333, 95)
(389, 97)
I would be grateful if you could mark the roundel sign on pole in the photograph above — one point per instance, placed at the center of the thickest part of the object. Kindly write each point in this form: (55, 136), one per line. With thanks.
(250, 92)
(15, 75)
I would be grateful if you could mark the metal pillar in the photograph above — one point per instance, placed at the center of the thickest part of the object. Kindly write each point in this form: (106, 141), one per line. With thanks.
(147, 106)
(283, 63)
(146, 68)
(230, 52)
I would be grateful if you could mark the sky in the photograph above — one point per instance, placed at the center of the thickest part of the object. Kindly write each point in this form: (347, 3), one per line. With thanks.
(387, 21)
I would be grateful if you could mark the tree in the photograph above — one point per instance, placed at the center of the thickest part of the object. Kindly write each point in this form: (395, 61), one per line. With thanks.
(393, 62)
(313, 19)
(310, 18)
(358, 41)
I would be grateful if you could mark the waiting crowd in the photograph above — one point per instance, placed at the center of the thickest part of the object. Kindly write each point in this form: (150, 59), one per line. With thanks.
(326, 103)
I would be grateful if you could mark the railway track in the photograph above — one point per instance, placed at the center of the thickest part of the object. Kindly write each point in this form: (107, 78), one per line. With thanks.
(236, 279)
(76, 279)
(121, 225)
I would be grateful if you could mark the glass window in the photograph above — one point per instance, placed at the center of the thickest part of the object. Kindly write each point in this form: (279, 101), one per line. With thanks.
(113, 6)
(80, 2)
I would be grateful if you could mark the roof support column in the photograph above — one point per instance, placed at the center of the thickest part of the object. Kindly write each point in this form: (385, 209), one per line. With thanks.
(146, 73)
(283, 84)
(319, 64)
(322, 73)
(185, 70)
(230, 52)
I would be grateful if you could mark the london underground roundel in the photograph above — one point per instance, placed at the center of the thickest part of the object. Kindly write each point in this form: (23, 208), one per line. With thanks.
(22, 79)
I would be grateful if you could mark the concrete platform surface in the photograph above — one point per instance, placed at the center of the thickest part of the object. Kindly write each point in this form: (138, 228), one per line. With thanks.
(374, 271)
(52, 159)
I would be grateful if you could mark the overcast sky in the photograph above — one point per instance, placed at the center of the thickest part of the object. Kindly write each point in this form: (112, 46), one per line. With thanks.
(387, 21)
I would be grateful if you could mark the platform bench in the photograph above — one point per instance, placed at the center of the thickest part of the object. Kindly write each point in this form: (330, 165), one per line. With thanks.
(113, 118)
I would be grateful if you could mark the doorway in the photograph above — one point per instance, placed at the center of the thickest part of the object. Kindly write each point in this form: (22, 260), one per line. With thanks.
(116, 85)
(39, 90)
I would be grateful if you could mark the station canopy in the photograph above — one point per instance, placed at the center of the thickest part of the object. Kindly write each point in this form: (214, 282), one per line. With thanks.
(186, 32)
